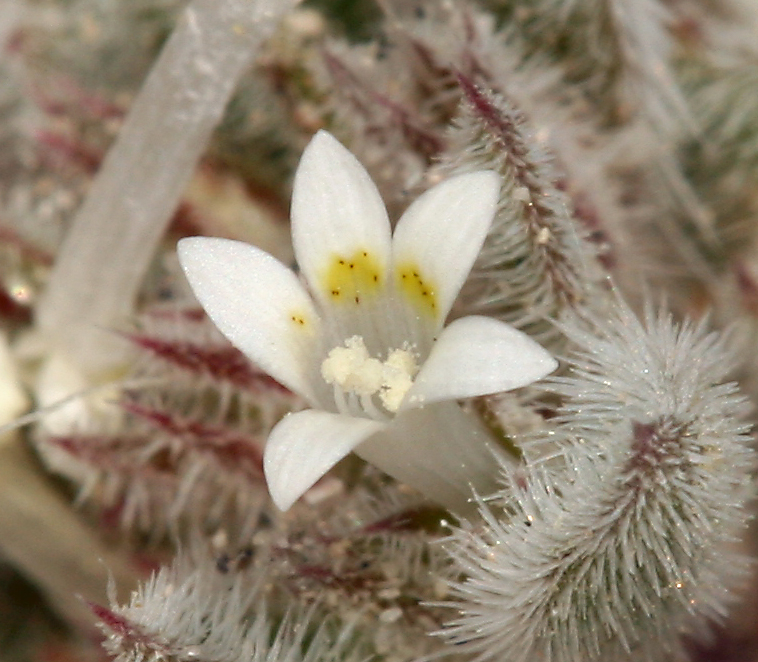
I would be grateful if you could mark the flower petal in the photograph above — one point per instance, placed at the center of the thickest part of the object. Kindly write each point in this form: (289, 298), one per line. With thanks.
(258, 304)
(438, 238)
(305, 445)
(442, 451)
(340, 229)
(476, 356)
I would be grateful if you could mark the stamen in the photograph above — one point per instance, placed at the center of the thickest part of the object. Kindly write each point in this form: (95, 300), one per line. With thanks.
(399, 370)
(352, 403)
(370, 408)
(357, 377)
(339, 400)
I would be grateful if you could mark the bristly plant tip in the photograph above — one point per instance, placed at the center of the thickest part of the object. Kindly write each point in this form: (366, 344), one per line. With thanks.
(636, 549)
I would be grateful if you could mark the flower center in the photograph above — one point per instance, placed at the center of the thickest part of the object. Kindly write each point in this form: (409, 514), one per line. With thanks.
(357, 377)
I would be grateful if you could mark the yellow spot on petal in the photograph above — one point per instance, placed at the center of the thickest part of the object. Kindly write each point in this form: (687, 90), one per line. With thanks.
(418, 289)
(351, 278)
(300, 320)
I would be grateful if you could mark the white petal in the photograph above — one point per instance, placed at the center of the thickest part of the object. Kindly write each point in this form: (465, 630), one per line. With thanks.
(258, 304)
(338, 220)
(442, 451)
(438, 238)
(476, 356)
(305, 445)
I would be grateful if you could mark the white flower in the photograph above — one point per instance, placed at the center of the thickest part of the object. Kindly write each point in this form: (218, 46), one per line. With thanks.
(365, 344)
